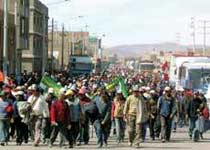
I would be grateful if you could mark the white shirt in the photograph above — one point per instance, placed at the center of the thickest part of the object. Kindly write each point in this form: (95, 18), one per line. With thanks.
(40, 108)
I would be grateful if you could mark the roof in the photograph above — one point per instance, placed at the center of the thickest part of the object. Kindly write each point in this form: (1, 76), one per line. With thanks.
(197, 65)
(81, 59)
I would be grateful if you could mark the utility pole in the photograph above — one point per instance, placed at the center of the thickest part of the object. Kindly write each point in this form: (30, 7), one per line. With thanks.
(52, 44)
(5, 43)
(62, 49)
(44, 46)
(192, 25)
(204, 37)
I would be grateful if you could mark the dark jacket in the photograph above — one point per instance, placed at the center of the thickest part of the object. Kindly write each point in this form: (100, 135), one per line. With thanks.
(193, 107)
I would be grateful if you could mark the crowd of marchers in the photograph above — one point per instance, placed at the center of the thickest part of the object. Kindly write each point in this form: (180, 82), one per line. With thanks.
(29, 114)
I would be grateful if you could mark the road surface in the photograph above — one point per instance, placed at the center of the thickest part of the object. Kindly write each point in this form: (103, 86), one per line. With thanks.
(179, 141)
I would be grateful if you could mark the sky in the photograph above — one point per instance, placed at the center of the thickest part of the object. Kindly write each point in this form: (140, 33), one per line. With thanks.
(127, 22)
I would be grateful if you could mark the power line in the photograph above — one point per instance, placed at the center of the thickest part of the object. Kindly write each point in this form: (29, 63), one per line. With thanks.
(58, 2)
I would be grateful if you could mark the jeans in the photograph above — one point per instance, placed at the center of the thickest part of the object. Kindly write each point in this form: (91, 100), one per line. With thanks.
(4, 130)
(84, 131)
(74, 132)
(152, 127)
(46, 129)
(62, 128)
(101, 132)
(165, 127)
(21, 131)
(120, 129)
(192, 125)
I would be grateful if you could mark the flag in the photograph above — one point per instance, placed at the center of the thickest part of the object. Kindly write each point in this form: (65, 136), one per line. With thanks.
(48, 82)
(123, 87)
(113, 84)
(121, 82)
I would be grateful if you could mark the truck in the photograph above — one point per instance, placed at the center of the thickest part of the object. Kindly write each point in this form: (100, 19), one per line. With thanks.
(80, 65)
(189, 71)
(146, 66)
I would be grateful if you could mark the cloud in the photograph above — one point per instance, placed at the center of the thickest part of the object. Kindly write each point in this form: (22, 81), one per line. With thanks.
(133, 21)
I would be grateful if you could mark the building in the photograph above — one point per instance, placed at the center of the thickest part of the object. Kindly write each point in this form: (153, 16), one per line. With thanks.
(35, 57)
(22, 31)
(11, 35)
(1, 33)
(74, 43)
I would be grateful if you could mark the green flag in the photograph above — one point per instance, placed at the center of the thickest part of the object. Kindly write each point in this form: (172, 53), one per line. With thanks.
(123, 87)
(48, 82)
(113, 84)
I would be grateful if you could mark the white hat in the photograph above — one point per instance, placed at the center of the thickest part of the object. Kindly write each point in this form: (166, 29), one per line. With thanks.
(147, 88)
(19, 93)
(135, 88)
(152, 92)
(18, 88)
(62, 91)
(146, 95)
(51, 90)
(73, 87)
(167, 88)
(119, 91)
(34, 87)
(29, 88)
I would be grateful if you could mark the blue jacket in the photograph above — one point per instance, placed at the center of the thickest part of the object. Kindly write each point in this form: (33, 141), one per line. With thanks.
(166, 106)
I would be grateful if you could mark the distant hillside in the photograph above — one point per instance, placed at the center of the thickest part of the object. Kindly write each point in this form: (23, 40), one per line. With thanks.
(136, 50)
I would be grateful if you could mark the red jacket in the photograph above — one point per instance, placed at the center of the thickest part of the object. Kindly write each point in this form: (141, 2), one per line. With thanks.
(59, 112)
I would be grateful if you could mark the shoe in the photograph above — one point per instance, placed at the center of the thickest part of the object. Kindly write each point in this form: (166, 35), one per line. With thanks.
(99, 146)
(35, 145)
(163, 140)
(71, 146)
(2, 144)
(130, 144)
(79, 144)
(50, 145)
(137, 145)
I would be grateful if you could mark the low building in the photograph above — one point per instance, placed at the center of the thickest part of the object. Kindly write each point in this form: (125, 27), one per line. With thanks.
(75, 43)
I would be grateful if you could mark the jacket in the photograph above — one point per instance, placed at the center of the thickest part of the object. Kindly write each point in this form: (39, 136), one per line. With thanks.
(166, 106)
(6, 110)
(131, 105)
(60, 112)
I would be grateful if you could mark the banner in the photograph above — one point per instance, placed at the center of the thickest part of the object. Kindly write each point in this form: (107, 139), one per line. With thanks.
(48, 82)
(113, 84)
(118, 81)
(123, 87)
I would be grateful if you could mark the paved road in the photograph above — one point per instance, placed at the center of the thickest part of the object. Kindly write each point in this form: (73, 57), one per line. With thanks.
(179, 141)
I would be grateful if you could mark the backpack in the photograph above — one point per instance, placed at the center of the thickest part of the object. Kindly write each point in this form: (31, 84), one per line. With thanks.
(205, 113)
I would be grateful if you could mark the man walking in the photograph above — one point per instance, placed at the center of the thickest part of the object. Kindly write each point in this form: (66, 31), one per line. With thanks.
(167, 109)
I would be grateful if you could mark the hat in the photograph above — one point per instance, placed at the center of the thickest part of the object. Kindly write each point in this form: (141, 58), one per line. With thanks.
(18, 88)
(51, 90)
(167, 88)
(135, 88)
(146, 95)
(29, 88)
(152, 92)
(119, 91)
(34, 87)
(62, 91)
(73, 87)
(147, 88)
(19, 93)
(69, 93)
